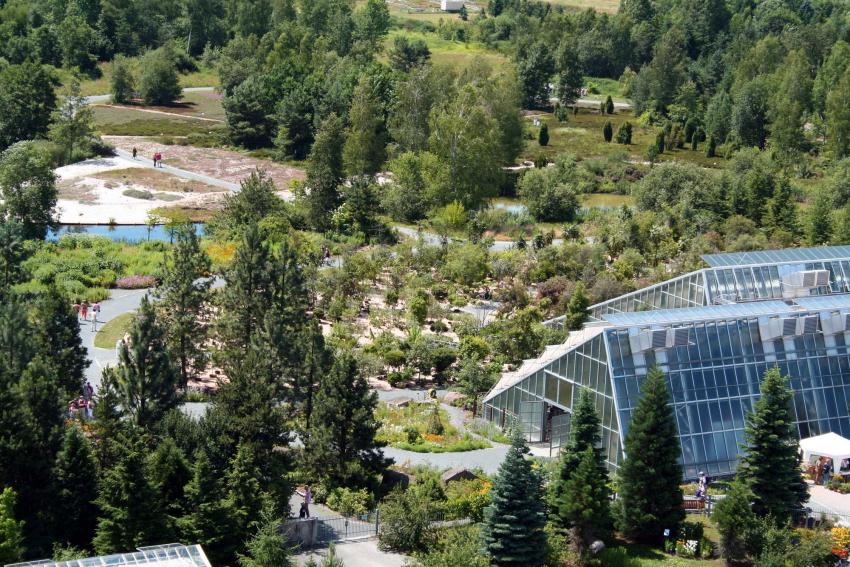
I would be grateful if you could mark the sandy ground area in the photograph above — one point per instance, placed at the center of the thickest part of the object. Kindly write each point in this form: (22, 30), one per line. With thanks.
(94, 192)
(221, 164)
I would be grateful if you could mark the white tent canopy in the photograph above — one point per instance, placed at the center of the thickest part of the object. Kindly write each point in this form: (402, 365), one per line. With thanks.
(830, 445)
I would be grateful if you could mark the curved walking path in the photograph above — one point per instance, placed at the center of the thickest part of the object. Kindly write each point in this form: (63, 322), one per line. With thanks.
(148, 163)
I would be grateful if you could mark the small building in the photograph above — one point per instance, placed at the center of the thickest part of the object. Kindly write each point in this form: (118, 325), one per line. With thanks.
(451, 5)
(459, 473)
(169, 555)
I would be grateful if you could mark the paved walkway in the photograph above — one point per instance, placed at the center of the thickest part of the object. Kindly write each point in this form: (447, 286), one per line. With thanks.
(120, 301)
(436, 240)
(148, 163)
(828, 501)
(364, 553)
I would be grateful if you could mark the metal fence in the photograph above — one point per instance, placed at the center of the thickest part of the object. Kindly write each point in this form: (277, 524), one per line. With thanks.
(341, 528)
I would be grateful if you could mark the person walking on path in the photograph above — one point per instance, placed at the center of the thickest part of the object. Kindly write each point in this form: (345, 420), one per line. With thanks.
(95, 311)
(88, 391)
(827, 471)
(84, 310)
(308, 499)
(77, 307)
(135, 151)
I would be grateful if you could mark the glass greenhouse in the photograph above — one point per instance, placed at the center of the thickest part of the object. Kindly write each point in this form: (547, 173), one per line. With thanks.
(714, 333)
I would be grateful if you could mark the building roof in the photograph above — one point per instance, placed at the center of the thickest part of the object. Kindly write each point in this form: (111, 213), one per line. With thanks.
(777, 256)
(170, 555)
(727, 311)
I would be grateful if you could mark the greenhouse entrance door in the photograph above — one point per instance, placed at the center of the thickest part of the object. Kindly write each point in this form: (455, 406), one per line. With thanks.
(531, 415)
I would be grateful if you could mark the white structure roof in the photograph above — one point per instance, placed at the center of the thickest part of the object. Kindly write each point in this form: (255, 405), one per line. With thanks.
(171, 555)
(829, 445)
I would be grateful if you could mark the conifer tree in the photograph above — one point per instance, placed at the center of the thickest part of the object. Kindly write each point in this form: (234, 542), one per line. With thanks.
(169, 474)
(76, 490)
(130, 509)
(325, 172)
(365, 140)
(246, 295)
(734, 519)
(609, 105)
(266, 547)
(245, 495)
(252, 409)
(580, 494)
(771, 465)
(577, 308)
(585, 433)
(146, 377)
(584, 503)
(513, 533)
(543, 135)
(122, 84)
(44, 418)
(710, 147)
(650, 477)
(11, 529)
(608, 131)
(184, 292)
(59, 339)
(341, 448)
(209, 518)
(781, 210)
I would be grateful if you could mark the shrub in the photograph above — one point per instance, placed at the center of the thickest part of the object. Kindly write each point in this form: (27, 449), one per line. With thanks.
(608, 131)
(135, 282)
(349, 502)
(138, 194)
(467, 499)
(405, 522)
(412, 435)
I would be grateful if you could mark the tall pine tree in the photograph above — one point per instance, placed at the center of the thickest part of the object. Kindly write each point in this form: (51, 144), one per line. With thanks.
(169, 474)
(11, 529)
(513, 523)
(325, 172)
(651, 475)
(246, 296)
(340, 448)
(266, 547)
(771, 465)
(59, 339)
(365, 141)
(76, 490)
(131, 513)
(146, 377)
(209, 519)
(583, 504)
(184, 292)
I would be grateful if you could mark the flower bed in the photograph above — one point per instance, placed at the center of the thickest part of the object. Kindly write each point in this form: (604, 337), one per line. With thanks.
(413, 428)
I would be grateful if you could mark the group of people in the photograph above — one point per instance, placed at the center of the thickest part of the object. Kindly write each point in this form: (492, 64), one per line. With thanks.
(84, 309)
(83, 406)
(823, 471)
(157, 157)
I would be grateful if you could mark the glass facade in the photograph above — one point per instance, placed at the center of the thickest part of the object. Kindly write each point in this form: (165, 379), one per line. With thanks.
(714, 358)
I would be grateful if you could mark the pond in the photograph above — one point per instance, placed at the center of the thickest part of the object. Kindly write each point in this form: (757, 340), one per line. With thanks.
(128, 233)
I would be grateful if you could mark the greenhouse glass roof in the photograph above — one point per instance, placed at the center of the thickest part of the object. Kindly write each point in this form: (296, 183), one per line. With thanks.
(777, 256)
(171, 555)
(729, 311)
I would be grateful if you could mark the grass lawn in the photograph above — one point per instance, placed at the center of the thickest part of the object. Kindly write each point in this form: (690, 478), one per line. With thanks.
(581, 135)
(100, 86)
(398, 426)
(128, 122)
(115, 329)
(640, 556)
(450, 53)
(609, 6)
